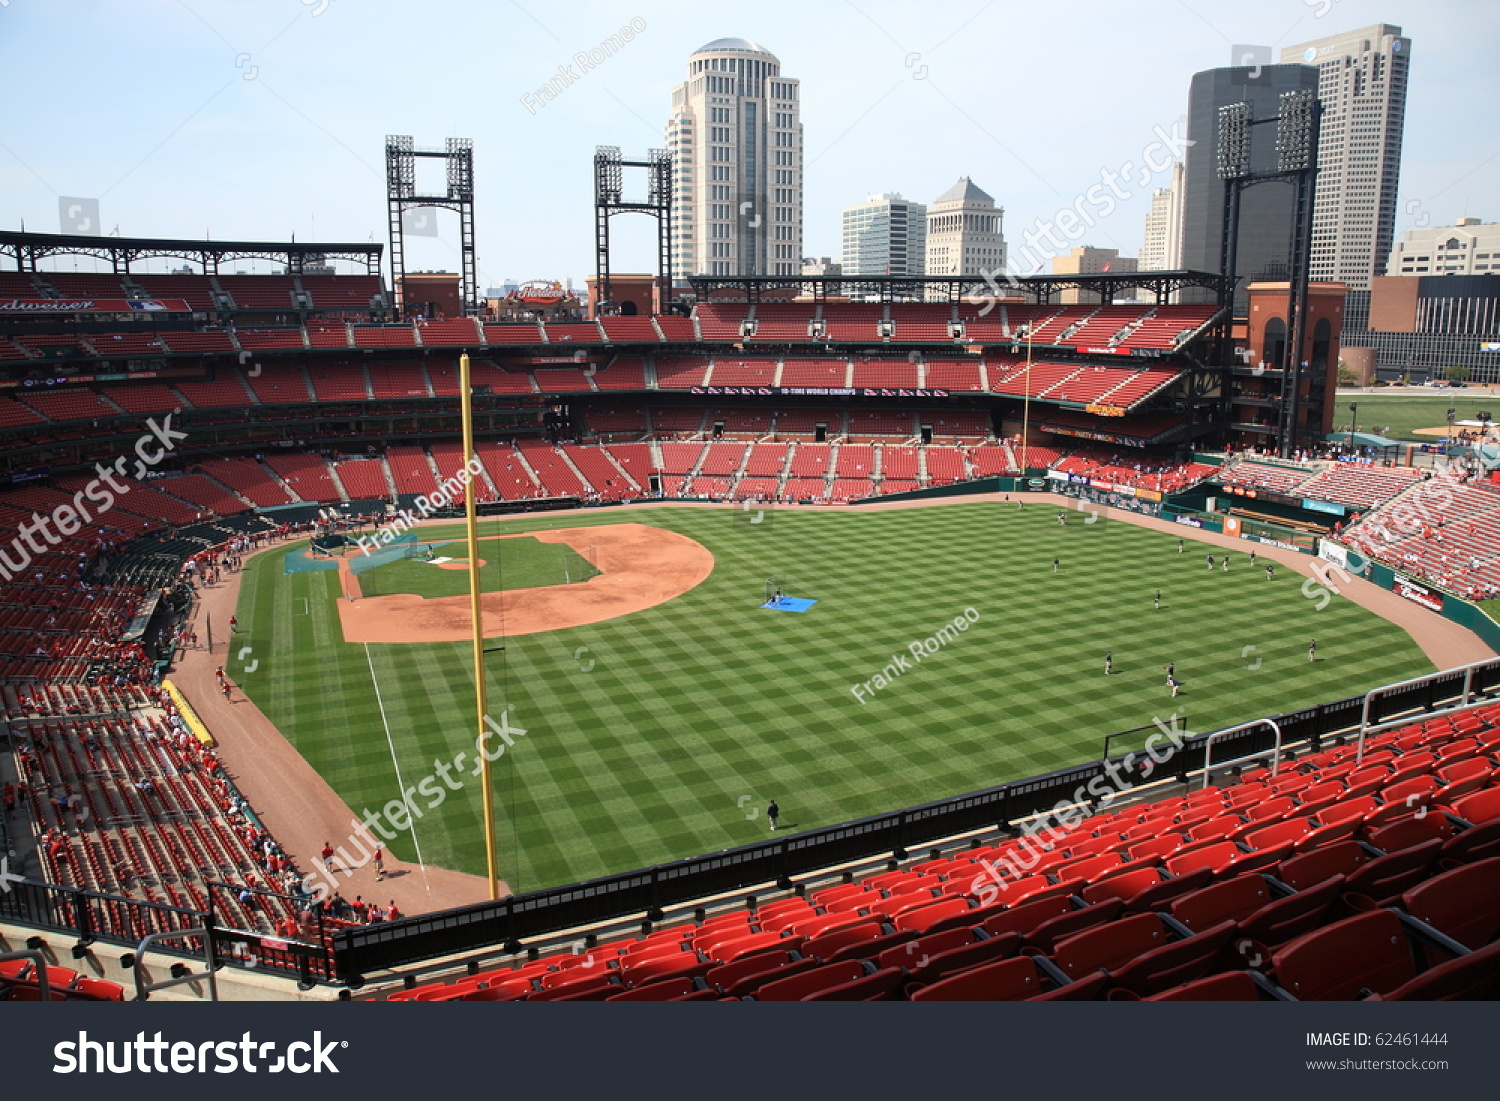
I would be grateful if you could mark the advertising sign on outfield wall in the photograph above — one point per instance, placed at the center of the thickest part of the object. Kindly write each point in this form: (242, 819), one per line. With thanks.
(1419, 594)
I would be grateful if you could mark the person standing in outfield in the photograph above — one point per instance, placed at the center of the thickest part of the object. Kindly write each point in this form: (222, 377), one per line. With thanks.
(773, 812)
(1226, 563)
(1210, 562)
(1109, 662)
(1252, 560)
(1157, 601)
(1055, 565)
(1270, 569)
(1062, 520)
(1179, 545)
(1312, 649)
(1171, 671)
(1176, 686)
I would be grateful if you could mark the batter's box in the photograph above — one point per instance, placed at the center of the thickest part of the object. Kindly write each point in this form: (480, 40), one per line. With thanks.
(752, 514)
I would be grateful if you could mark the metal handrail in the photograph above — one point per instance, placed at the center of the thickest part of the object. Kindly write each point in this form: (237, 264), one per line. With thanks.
(1208, 746)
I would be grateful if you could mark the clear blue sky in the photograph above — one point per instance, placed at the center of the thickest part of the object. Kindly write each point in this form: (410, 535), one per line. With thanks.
(146, 106)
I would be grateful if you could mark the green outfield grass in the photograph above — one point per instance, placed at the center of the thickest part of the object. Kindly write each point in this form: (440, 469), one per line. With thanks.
(663, 734)
(521, 563)
(1403, 413)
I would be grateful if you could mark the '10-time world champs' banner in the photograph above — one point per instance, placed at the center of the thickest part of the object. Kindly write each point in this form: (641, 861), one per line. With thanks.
(818, 392)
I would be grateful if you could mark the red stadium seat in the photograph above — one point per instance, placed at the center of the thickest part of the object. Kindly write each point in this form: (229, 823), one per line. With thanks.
(1124, 886)
(797, 987)
(1478, 843)
(666, 991)
(1411, 830)
(1176, 962)
(1471, 978)
(1286, 918)
(1112, 945)
(1385, 877)
(880, 986)
(1463, 904)
(928, 969)
(1012, 980)
(1232, 986)
(1047, 935)
(1214, 856)
(1232, 900)
(748, 973)
(1311, 868)
(1480, 807)
(1346, 960)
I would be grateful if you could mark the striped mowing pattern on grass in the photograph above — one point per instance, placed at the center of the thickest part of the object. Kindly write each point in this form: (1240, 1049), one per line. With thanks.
(664, 734)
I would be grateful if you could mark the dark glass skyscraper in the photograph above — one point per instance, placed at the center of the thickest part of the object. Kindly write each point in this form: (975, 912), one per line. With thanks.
(1267, 209)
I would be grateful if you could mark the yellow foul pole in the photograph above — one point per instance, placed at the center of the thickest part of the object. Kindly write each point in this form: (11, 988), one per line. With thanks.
(466, 398)
(1026, 405)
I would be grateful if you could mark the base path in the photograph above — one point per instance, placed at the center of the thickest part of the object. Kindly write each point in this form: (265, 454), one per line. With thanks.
(640, 566)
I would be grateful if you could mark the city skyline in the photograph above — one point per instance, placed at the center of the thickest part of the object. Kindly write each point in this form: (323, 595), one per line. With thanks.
(260, 124)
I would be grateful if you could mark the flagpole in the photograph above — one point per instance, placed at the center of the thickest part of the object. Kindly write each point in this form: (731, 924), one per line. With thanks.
(466, 404)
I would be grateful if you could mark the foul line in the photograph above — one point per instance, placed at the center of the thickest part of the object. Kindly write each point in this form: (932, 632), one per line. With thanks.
(388, 741)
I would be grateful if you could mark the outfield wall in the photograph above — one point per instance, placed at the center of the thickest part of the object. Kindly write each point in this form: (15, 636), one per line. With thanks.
(1450, 607)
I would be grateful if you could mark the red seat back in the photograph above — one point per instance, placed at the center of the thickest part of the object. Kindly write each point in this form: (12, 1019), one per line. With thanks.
(1338, 963)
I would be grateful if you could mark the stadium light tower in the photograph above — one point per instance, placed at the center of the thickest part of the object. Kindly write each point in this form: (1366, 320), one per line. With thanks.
(1297, 132)
(609, 200)
(403, 202)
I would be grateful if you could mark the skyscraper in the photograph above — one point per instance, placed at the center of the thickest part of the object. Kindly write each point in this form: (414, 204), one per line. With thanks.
(1162, 248)
(736, 144)
(1267, 211)
(885, 235)
(1362, 84)
(965, 232)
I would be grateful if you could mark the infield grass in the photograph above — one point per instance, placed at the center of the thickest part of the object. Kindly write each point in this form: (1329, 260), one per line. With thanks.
(663, 734)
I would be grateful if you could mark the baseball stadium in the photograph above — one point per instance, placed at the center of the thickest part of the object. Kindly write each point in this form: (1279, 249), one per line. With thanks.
(723, 637)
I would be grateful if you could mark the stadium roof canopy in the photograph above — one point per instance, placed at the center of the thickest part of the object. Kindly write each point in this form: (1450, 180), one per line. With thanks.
(1362, 439)
(27, 248)
(1108, 286)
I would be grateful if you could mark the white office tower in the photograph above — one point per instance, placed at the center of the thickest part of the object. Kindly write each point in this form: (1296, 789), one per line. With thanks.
(885, 235)
(1362, 77)
(1162, 248)
(736, 144)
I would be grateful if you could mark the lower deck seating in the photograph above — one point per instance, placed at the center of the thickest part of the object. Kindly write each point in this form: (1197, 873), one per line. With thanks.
(1292, 886)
